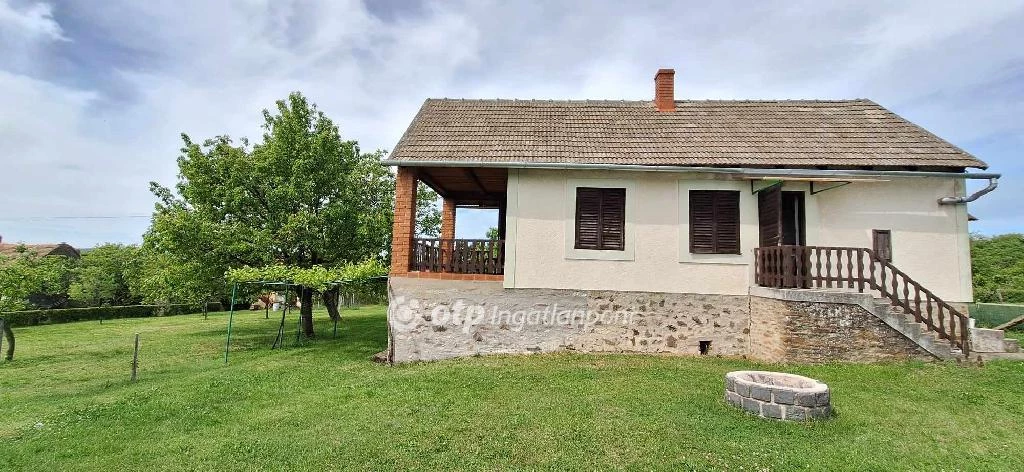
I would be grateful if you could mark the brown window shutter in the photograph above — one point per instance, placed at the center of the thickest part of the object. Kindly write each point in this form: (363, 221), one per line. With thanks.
(702, 222)
(600, 218)
(613, 218)
(714, 222)
(727, 222)
(588, 218)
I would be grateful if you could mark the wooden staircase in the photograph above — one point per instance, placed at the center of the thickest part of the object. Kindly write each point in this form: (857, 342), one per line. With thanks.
(901, 302)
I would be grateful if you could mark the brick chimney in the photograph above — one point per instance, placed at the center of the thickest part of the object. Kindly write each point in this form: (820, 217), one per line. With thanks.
(664, 90)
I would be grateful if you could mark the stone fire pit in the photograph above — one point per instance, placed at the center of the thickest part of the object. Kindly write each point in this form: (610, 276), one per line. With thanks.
(778, 395)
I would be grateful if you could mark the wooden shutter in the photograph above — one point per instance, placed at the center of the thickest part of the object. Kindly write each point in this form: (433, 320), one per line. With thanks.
(588, 218)
(769, 216)
(882, 244)
(714, 222)
(613, 218)
(600, 218)
(702, 222)
(727, 222)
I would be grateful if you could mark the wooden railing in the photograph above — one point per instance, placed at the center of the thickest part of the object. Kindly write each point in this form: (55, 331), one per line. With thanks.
(859, 268)
(460, 256)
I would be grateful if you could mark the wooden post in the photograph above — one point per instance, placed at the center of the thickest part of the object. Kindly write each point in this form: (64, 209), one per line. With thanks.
(135, 359)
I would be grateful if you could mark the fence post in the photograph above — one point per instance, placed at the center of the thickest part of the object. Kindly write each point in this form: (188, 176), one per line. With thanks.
(135, 359)
(231, 318)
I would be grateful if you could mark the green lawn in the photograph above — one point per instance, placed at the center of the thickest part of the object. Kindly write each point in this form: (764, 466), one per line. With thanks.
(66, 404)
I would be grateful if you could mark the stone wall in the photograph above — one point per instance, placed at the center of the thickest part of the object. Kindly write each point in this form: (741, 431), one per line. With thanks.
(816, 332)
(436, 319)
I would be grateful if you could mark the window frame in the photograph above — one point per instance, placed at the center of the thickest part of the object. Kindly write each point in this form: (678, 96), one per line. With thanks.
(605, 194)
(568, 204)
(735, 246)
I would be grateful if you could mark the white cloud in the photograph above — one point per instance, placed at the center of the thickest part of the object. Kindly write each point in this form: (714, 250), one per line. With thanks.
(95, 93)
(34, 20)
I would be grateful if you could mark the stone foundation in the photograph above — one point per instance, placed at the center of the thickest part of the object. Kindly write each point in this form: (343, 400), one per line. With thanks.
(815, 332)
(437, 319)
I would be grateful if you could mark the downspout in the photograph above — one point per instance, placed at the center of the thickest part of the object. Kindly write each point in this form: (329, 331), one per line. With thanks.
(993, 182)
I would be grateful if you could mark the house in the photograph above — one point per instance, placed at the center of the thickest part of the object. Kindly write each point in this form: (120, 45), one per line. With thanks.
(803, 230)
(45, 249)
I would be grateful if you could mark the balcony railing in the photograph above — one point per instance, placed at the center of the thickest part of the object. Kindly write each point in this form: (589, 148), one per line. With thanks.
(459, 256)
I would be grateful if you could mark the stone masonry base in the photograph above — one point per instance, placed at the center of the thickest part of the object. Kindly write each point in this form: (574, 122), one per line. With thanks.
(437, 319)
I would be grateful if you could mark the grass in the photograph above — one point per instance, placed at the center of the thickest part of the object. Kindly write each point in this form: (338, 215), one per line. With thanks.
(66, 403)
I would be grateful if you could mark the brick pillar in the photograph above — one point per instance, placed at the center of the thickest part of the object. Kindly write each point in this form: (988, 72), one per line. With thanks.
(405, 221)
(448, 219)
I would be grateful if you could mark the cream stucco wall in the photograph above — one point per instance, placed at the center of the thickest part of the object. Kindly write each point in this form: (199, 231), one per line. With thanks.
(929, 241)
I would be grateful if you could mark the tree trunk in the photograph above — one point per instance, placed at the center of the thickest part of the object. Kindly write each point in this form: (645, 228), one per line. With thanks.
(330, 298)
(306, 310)
(7, 333)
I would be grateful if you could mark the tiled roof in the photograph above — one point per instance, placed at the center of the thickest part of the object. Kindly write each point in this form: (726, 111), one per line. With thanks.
(797, 133)
(39, 249)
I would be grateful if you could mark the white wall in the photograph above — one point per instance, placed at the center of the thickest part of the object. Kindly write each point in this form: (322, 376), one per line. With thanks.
(929, 241)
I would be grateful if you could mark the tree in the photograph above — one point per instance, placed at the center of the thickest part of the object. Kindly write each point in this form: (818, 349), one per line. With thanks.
(997, 265)
(492, 233)
(301, 197)
(161, 278)
(24, 275)
(101, 276)
(428, 215)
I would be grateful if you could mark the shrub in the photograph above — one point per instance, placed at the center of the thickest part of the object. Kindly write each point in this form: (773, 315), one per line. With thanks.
(67, 315)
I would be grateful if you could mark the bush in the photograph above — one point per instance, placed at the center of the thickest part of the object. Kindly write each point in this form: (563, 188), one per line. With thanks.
(67, 315)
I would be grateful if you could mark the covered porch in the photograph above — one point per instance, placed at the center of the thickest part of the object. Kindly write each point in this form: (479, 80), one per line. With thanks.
(447, 256)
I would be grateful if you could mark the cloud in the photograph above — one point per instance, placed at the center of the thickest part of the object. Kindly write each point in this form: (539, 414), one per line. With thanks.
(96, 93)
(34, 20)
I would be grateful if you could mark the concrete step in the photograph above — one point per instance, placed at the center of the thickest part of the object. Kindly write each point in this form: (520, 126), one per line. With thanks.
(1011, 345)
(993, 356)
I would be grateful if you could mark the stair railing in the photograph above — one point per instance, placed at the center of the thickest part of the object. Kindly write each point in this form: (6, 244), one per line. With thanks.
(860, 268)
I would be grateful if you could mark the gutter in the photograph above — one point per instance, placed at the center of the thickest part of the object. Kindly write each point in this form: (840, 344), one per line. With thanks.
(747, 172)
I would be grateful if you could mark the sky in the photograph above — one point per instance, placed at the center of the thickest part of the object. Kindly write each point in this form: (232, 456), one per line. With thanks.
(94, 95)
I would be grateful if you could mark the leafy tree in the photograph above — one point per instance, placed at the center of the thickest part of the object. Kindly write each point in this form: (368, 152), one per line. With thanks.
(492, 233)
(301, 197)
(428, 215)
(25, 275)
(101, 276)
(997, 264)
(162, 278)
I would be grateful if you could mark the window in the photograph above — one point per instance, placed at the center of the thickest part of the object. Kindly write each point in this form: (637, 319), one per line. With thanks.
(714, 222)
(881, 242)
(600, 218)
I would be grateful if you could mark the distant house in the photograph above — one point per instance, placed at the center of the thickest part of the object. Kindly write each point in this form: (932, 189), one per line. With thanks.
(802, 230)
(42, 249)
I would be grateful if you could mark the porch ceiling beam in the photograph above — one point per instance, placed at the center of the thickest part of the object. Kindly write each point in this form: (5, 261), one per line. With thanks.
(475, 179)
(426, 178)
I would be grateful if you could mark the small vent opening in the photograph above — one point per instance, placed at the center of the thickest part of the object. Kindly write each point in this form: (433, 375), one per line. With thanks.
(705, 347)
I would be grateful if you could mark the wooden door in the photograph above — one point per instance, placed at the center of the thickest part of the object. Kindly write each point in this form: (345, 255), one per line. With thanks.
(769, 216)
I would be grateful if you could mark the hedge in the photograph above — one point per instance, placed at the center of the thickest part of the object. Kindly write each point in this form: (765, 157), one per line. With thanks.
(67, 315)
(993, 314)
